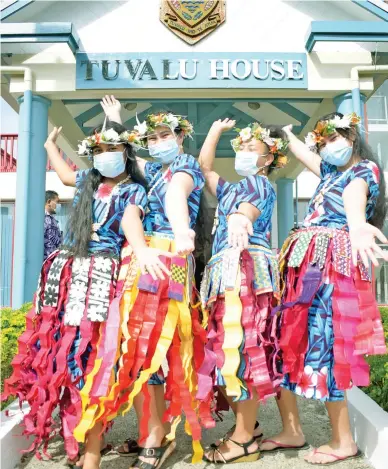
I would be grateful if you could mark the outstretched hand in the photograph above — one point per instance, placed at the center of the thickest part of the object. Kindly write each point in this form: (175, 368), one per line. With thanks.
(184, 242)
(149, 262)
(363, 243)
(239, 229)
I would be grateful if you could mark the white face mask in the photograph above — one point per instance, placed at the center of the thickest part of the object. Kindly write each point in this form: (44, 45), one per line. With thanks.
(246, 163)
(337, 153)
(110, 163)
(165, 152)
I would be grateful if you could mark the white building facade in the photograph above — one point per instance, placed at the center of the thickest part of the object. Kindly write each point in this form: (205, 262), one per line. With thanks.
(278, 62)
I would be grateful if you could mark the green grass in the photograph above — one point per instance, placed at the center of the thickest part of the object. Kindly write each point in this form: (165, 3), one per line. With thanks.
(378, 389)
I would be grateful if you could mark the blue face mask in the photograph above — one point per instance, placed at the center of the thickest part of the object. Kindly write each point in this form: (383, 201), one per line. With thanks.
(337, 153)
(164, 152)
(110, 163)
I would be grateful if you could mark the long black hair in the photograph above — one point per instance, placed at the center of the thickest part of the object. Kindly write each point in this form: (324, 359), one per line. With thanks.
(362, 150)
(81, 216)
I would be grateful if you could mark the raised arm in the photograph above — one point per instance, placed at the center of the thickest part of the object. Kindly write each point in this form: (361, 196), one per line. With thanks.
(65, 173)
(308, 158)
(208, 152)
(362, 234)
(148, 258)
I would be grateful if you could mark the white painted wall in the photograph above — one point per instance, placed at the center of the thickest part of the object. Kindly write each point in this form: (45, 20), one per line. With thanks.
(251, 26)
(8, 186)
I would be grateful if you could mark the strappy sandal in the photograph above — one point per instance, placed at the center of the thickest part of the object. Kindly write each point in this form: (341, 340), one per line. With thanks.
(133, 448)
(73, 465)
(160, 454)
(230, 433)
(246, 457)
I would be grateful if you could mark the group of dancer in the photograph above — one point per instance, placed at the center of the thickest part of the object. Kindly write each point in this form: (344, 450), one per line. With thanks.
(117, 320)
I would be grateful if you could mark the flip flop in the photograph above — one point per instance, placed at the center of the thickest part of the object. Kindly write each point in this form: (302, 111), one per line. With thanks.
(337, 459)
(280, 447)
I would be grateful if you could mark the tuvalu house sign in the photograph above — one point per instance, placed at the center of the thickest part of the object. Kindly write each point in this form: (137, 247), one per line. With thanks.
(191, 70)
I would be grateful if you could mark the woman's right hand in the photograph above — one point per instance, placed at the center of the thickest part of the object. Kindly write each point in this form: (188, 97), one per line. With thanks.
(221, 126)
(288, 130)
(52, 138)
(112, 108)
(150, 263)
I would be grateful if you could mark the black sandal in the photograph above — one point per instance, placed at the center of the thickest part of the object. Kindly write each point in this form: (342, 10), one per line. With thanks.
(231, 431)
(246, 457)
(73, 465)
(160, 454)
(133, 448)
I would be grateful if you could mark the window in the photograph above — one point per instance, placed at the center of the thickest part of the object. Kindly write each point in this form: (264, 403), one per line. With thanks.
(377, 106)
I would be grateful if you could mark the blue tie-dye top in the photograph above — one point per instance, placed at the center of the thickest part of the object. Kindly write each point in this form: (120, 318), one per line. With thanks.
(331, 212)
(156, 219)
(256, 190)
(111, 233)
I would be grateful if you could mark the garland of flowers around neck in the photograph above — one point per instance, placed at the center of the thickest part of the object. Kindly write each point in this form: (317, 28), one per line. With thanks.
(97, 226)
(154, 185)
(318, 199)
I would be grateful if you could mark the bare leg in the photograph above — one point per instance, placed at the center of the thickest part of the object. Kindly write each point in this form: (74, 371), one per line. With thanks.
(158, 408)
(245, 423)
(342, 443)
(233, 405)
(292, 433)
(92, 456)
(157, 429)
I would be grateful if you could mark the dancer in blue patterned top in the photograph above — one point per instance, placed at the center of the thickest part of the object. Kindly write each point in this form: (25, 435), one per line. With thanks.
(239, 285)
(73, 320)
(330, 319)
(159, 296)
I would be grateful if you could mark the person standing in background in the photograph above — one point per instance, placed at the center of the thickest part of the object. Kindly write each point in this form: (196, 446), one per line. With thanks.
(52, 232)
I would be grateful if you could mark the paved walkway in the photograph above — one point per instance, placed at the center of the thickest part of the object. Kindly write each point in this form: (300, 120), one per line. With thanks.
(315, 425)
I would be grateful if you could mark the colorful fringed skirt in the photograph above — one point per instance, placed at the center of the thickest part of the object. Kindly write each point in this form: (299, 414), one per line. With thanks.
(330, 318)
(160, 323)
(237, 293)
(60, 344)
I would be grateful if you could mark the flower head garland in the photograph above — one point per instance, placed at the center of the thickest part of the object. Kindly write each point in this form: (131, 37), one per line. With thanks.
(109, 137)
(276, 145)
(328, 127)
(167, 119)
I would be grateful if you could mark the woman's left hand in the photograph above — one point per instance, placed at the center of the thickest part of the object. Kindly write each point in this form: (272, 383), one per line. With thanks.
(239, 229)
(362, 240)
(184, 242)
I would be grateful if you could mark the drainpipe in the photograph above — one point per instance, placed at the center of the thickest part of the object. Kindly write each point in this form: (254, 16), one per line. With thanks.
(355, 79)
(22, 185)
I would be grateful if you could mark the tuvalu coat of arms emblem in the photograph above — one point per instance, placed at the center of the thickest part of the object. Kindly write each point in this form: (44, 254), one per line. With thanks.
(192, 20)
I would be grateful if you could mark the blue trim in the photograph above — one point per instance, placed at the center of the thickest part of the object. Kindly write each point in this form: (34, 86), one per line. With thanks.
(15, 7)
(346, 31)
(94, 111)
(199, 100)
(372, 8)
(21, 33)
(293, 112)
